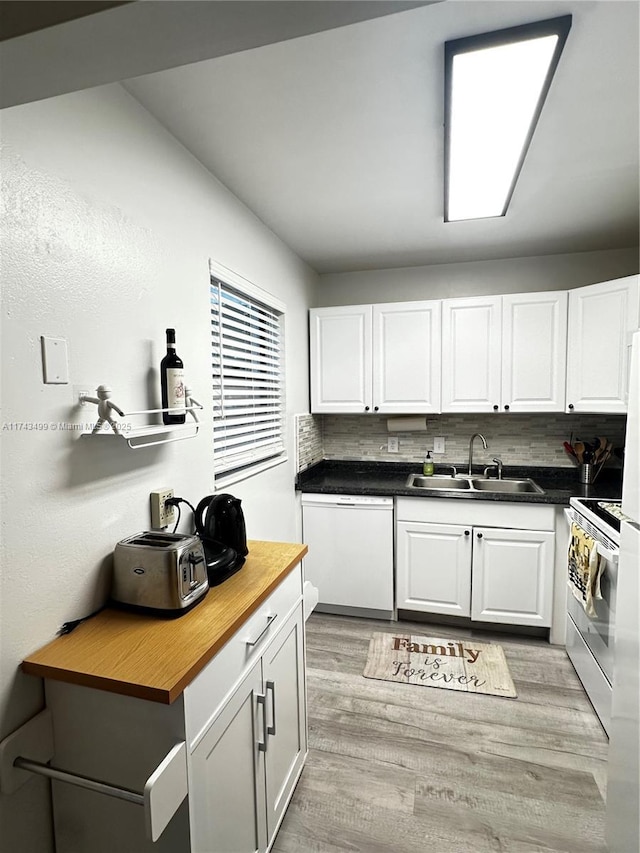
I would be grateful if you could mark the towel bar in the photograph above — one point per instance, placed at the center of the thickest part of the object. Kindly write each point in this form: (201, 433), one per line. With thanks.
(79, 780)
(163, 793)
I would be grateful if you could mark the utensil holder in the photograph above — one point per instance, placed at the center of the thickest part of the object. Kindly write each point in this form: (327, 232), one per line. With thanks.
(585, 472)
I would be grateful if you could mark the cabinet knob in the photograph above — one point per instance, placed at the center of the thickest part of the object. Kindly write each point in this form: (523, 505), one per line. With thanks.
(570, 407)
(375, 408)
(495, 408)
(479, 535)
(366, 408)
(467, 533)
(506, 408)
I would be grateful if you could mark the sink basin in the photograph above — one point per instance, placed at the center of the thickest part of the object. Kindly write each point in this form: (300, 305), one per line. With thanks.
(514, 487)
(418, 481)
(440, 482)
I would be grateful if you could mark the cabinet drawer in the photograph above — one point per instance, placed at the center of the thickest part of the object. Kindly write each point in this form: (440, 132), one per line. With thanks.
(206, 693)
(485, 513)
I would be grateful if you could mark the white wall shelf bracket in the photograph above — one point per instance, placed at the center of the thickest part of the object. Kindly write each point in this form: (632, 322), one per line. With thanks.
(163, 793)
(146, 435)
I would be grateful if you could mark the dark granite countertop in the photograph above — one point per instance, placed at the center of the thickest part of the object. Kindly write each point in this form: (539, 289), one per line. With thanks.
(389, 479)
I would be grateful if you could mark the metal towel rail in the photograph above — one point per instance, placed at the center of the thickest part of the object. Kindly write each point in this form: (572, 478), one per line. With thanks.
(163, 793)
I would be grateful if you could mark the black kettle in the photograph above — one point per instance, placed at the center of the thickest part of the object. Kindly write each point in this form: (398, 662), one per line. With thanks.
(220, 524)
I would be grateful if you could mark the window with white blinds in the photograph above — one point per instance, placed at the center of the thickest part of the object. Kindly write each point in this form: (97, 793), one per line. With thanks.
(247, 361)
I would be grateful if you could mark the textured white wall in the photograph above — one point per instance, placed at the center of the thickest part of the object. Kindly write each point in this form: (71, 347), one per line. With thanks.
(510, 275)
(109, 224)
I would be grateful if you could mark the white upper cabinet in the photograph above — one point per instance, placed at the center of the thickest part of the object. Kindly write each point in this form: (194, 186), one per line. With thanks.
(504, 353)
(471, 354)
(548, 351)
(602, 318)
(340, 358)
(376, 358)
(406, 357)
(534, 351)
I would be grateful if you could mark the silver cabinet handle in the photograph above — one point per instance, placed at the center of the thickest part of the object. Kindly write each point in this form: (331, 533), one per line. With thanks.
(262, 700)
(271, 730)
(264, 630)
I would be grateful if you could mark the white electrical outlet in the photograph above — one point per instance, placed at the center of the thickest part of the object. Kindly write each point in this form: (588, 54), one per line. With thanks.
(161, 515)
(393, 444)
(438, 444)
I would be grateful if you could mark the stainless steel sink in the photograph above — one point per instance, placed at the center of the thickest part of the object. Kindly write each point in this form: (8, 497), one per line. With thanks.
(443, 483)
(514, 487)
(436, 481)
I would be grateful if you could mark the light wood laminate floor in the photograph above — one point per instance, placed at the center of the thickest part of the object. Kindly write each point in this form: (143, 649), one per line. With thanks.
(399, 768)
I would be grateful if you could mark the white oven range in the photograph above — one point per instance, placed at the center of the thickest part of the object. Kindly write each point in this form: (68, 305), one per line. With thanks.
(590, 639)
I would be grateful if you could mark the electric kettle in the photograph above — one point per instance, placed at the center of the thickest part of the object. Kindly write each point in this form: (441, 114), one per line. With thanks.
(220, 525)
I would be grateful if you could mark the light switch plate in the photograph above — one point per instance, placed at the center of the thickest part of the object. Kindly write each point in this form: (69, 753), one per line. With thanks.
(55, 368)
(438, 444)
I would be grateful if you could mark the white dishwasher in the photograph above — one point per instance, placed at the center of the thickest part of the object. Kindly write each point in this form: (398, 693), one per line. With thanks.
(350, 559)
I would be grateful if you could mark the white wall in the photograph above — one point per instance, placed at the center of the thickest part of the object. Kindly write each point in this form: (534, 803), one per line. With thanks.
(108, 228)
(511, 275)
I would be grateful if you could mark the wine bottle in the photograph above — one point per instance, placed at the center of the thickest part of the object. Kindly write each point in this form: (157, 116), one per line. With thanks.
(172, 383)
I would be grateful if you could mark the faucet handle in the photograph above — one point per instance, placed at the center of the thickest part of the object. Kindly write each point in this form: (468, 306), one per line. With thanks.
(454, 470)
(498, 462)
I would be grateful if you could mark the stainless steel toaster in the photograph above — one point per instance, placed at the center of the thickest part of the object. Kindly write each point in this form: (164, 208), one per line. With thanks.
(159, 572)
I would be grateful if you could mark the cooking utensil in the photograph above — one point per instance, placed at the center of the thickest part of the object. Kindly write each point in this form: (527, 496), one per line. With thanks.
(603, 459)
(569, 450)
(601, 446)
(579, 449)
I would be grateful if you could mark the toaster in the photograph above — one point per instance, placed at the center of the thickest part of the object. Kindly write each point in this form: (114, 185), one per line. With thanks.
(158, 572)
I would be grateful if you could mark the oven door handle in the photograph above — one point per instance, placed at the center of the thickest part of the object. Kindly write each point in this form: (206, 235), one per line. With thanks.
(610, 554)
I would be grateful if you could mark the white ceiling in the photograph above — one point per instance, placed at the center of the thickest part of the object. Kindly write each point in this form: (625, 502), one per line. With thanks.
(335, 139)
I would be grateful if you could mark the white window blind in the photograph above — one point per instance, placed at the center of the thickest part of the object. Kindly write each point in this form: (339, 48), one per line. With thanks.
(248, 385)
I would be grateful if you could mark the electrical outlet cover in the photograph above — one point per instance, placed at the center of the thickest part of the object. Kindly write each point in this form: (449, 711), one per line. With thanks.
(161, 516)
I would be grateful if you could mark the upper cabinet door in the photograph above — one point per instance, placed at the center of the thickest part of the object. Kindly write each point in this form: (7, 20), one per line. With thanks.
(406, 357)
(601, 320)
(534, 351)
(340, 359)
(471, 354)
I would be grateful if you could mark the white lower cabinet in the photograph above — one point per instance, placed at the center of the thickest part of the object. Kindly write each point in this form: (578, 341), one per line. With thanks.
(500, 574)
(243, 769)
(227, 792)
(242, 720)
(434, 568)
(512, 576)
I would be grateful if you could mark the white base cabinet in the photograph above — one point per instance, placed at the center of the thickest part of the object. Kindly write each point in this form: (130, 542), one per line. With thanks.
(433, 568)
(489, 573)
(243, 770)
(243, 720)
(512, 576)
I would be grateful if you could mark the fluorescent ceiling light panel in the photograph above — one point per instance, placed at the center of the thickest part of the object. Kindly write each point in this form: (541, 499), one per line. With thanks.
(495, 86)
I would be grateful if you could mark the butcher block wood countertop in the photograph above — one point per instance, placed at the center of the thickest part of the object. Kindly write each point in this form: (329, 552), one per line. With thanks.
(155, 658)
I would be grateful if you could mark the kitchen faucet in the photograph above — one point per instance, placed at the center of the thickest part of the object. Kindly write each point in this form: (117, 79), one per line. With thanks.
(497, 466)
(484, 444)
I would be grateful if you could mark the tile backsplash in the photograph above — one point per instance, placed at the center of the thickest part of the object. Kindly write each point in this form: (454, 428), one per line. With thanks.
(308, 437)
(532, 439)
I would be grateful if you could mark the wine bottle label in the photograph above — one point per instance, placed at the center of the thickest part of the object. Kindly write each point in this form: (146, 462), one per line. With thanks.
(175, 391)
